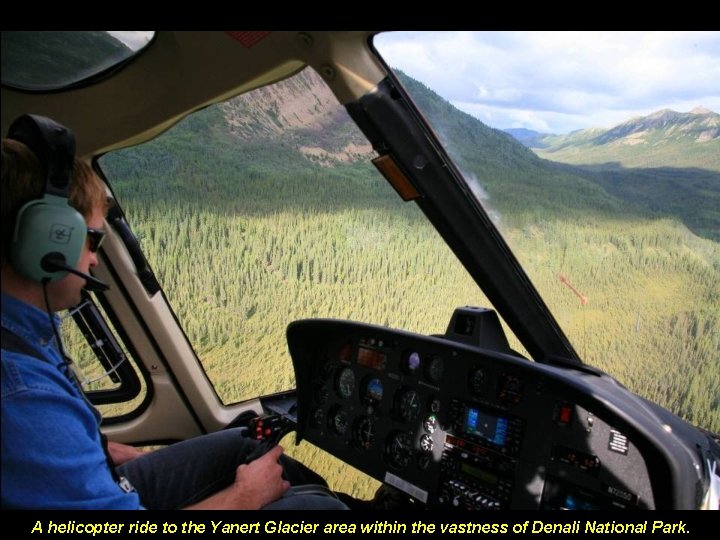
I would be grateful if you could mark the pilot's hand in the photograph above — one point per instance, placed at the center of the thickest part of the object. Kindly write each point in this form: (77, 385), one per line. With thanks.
(122, 453)
(261, 480)
(256, 484)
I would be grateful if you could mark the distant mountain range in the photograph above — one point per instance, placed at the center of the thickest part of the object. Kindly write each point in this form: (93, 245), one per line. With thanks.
(665, 138)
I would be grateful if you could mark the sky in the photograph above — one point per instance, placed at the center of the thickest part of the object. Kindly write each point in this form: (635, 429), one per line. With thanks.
(134, 40)
(557, 82)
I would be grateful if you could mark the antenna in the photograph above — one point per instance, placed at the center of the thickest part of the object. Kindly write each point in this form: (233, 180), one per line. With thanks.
(565, 281)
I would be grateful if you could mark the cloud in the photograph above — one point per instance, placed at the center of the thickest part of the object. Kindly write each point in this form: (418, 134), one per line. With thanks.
(562, 80)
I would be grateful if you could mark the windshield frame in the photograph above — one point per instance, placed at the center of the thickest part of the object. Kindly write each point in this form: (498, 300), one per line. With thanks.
(447, 200)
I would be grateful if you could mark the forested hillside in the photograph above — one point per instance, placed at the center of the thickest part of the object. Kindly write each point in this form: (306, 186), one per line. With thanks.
(265, 209)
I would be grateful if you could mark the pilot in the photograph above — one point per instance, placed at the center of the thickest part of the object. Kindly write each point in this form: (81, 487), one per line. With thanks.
(53, 453)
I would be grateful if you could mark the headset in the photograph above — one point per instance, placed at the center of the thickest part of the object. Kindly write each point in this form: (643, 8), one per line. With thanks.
(49, 234)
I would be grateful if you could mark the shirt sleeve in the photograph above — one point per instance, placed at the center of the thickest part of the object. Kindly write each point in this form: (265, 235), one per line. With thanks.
(52, 456)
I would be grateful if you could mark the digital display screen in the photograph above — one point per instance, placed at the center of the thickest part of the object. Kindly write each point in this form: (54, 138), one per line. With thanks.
(371, 358)
(485, 477)
(577, 502)
(562, 495)
(491, 428)
(576, 458)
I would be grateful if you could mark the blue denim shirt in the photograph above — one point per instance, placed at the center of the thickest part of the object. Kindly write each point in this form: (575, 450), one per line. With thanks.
(52, 455)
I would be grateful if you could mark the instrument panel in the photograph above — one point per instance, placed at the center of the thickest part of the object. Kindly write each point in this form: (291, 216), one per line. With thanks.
(457, 426)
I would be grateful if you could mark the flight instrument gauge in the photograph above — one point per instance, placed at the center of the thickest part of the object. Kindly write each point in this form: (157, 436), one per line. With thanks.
(338, 420)
(407, 404)
(345, 383)
(322, 393)
(434, 369)
(411, 362)
(510, 389)
(364, 432)
(373, 390)
(426, 443)
(430, 423)
(399, 450)
(317, 416)
(478, 381)
(326, 369)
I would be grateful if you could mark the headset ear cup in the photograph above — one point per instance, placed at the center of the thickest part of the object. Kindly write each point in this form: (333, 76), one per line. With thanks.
(44, 226)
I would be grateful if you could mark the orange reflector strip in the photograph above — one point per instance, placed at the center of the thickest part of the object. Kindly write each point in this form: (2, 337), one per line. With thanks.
(392, 173)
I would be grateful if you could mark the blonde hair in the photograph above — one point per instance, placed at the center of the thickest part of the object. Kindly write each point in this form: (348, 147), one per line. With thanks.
(23, 180)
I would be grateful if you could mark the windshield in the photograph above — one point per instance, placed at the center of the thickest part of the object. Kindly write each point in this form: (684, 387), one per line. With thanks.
(601, 168)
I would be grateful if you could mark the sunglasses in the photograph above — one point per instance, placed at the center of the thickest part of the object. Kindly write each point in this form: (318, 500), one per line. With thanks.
(95, 239)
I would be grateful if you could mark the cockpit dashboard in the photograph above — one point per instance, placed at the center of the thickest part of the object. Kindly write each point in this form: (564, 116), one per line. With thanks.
(455, 425)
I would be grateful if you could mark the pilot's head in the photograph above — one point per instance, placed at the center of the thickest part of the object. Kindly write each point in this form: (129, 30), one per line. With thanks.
(35, 223)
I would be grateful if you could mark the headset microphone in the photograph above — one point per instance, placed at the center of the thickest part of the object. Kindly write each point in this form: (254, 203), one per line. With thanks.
(53, 262)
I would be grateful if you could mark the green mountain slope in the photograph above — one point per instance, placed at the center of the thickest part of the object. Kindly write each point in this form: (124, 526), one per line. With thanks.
(663, 139)
(517, 184)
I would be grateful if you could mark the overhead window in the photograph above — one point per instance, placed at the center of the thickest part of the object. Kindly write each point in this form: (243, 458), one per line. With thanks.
(44, 61)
